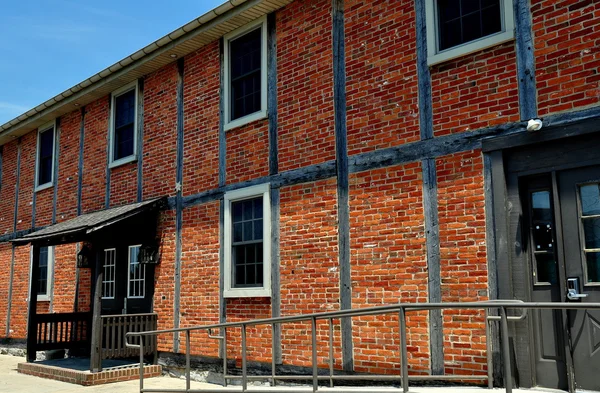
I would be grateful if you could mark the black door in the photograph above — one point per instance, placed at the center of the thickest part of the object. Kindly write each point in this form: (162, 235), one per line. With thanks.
(579, 191)
(127, 285)
(562, 232)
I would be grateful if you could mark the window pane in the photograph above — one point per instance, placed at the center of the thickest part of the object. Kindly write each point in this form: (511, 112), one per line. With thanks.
(124, 125)
(245, 70)
(462, 21)
(590, 199)
(546, 268)
(46, 150)
(593, 266)
(43, 272)
(137, 273)
(238, 232)
(591, 230)
(540, 202)
(247, 249)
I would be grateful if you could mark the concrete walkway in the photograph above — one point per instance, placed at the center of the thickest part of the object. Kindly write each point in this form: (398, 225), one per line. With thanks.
(11, 381)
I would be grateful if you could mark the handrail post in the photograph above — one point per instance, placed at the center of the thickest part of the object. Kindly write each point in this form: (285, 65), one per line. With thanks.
(488, 350)
(505, 350)
(187, 359)
(330, 352)
(403, 349)
(315, 368)
(244, 370)
(141, 363)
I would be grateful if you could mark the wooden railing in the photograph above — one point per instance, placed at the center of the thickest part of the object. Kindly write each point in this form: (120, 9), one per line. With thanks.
(62, 331)
(114, 328)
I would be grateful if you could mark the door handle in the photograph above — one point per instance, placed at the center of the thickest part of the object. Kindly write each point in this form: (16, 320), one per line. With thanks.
(573, 295)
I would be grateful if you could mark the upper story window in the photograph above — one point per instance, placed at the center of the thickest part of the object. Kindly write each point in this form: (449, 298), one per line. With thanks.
(247, 248)
(45, 157)
(245, 79)
(459, 27)
(46, 263)
(123, 127)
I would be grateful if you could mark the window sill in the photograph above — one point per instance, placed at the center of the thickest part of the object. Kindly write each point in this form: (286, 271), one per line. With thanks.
(246, 292)
(471, 47)
(43, 298)
(242, 121)
(122, 161)
(44, 186)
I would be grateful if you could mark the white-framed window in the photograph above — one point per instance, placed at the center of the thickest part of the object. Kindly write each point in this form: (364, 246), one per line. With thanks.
(136, 282)
(44, 168)
(247, 238)
(123, 125)
(245, 74)
(458, 27)
(44, 282)
(108, 280)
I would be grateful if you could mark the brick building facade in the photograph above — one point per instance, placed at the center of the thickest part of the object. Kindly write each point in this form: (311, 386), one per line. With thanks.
(379, 167)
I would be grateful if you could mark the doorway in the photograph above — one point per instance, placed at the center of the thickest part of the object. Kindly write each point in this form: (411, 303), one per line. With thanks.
(560, 224)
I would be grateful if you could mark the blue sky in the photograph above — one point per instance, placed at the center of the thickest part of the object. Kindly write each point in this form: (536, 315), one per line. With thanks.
(47, 46)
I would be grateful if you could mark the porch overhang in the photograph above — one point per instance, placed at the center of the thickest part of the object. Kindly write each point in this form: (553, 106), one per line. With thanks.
(79, 228)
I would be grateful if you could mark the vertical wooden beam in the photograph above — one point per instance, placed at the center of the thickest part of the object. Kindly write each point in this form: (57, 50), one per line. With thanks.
(10, 290)
(341, 157)
(80, 163)
(110, 141)
(274, 169)
(140, 139)
(32, 311)
(16, 210)
(430, 196)
(179, 203)
(525, 60)
(15, 214)
(222, 182)
(96, 338)
(55, 168)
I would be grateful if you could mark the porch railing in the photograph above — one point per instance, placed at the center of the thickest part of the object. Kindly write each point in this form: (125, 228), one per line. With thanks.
(62, 331)
(499, 307)
(115, 328)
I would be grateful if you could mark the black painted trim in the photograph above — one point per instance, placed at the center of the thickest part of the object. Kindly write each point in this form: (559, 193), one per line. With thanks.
(219, 195)
(140, 140)
(525, 60)
(16, 210)
(341, 156)
(275, 272)
(107, 191)
(80, 163)
(179, 205)
(222, 136)
(272, 93)
(423, 74)
(57, 132)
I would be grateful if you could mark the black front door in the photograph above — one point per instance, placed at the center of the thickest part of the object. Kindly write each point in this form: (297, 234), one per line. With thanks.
(127, 285)
(561, 217)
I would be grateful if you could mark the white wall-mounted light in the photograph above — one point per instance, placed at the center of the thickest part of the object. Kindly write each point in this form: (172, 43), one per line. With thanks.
(534, 125)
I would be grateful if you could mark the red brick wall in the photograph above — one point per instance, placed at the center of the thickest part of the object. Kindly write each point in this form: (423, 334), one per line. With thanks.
(201, 120)
(160, 133)
(247, 152)
(63, 292)
(381, 74)
(123, 184)
(258, 338)
(475, 91)
(567, 54)
(68, 166)
(94, 155)
(7, 191)
(164, 279)
(305, 84)
(18, 311)
(463, 255)
(28, 149)
(199, 300)
(5, 262)
(309, 270)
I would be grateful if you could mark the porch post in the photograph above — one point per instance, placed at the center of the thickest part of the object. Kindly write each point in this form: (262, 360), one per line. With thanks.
(96, 341)
(32, 317)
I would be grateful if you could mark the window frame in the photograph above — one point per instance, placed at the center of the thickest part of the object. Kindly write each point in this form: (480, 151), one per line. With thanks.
(113, 252)
(227, 110)
(111, 137)
(262, 190)
(41, 130)
(49, 278)
(435, 56)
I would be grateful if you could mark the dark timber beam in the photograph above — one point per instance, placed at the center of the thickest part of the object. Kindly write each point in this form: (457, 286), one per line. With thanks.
(341, 159)
(110, 141)
(10, 290)
(525, 60)
(80, 163)
(179, 204)
(55, 174)
(140, 139)
(219, 196)
(274, 169)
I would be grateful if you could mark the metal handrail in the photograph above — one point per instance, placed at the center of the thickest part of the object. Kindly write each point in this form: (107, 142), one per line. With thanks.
(402, 308)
